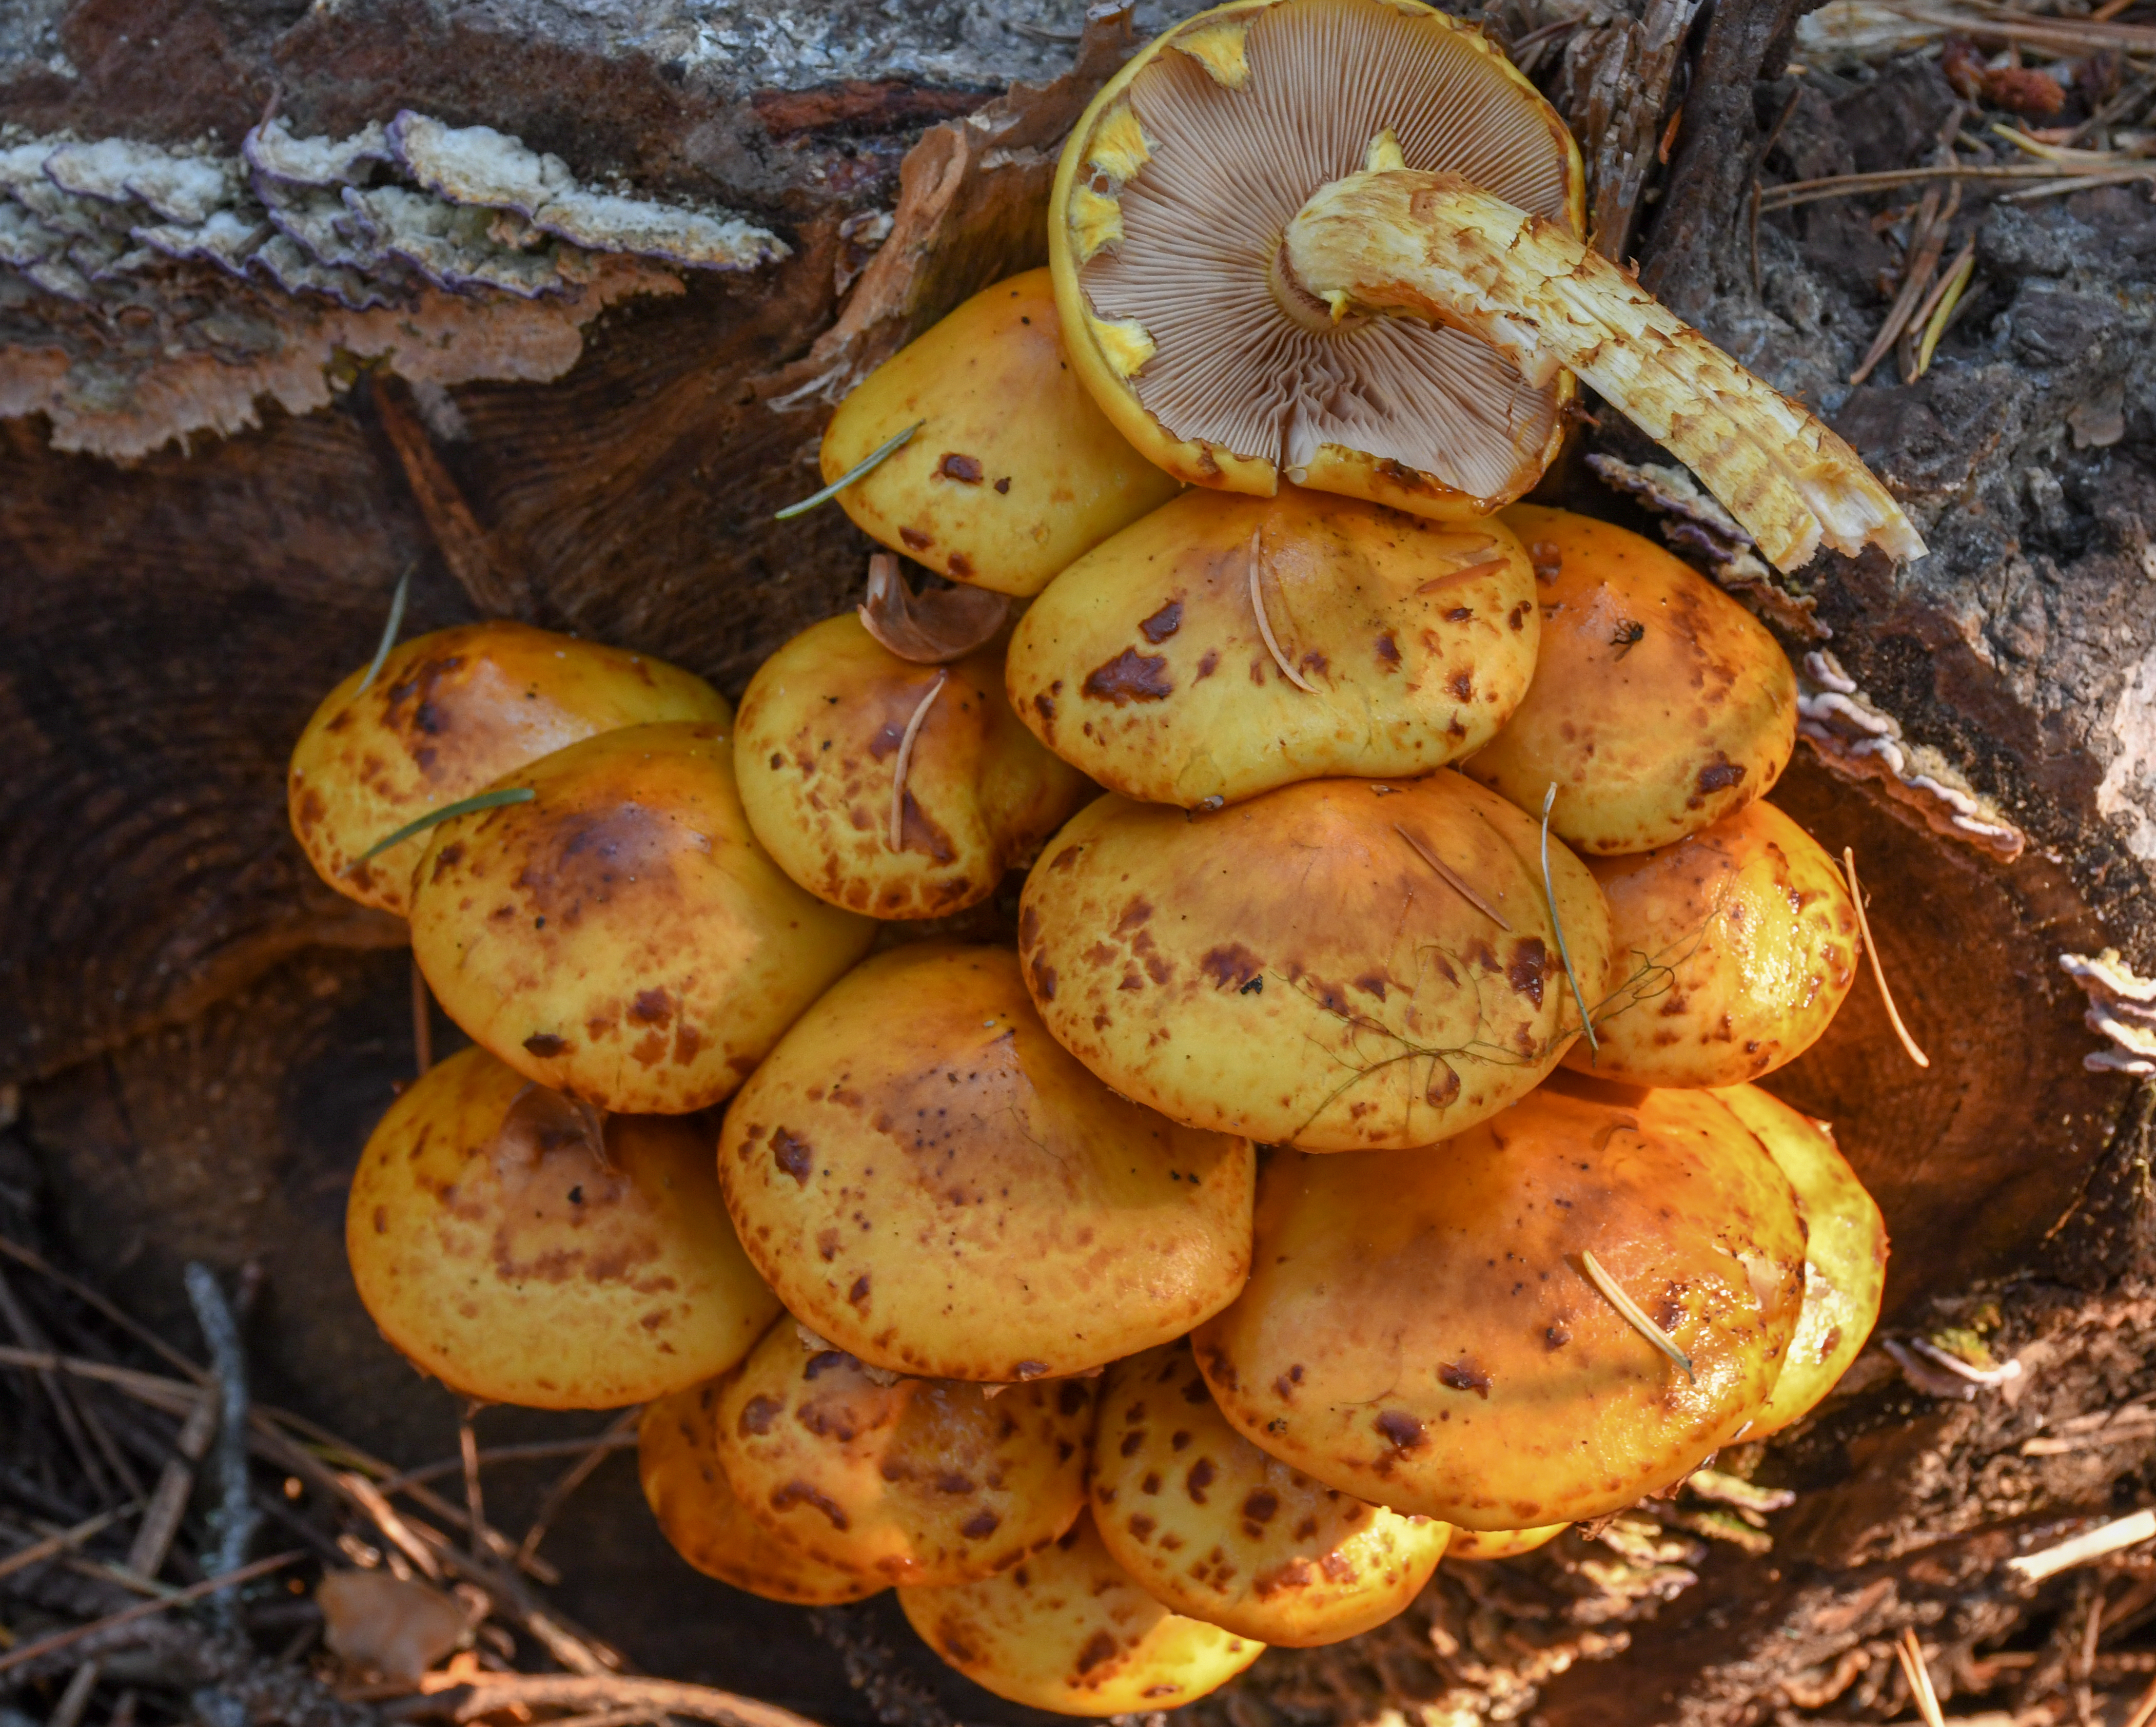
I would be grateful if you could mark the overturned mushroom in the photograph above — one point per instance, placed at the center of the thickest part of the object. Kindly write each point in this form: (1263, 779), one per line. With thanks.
(1209, 1526)
(932, 1183)
(445, 714)
(1512, 1391)
(908, 1480)
(703, 1519)
(511, 1246)
(1336, 239)
(932, 627)
(1223, 645)
(1067, 1629)
(1012, 472)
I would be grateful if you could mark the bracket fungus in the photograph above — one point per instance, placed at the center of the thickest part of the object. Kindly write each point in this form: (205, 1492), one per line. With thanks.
(1735, 947)
(1336, 241)
(1510, 1392)
(1297, 968)
(1209, 1526)
(503, 1251)
(444, 715)
(891, 787)
(620, 936)
(704, 1520)
(922, 1102)
(1068, 1630)
(1223, 645)
(905, 1480)
(1013, 471)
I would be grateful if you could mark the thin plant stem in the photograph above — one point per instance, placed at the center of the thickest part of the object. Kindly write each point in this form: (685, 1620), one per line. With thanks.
(388, 632)
(874, 458)
(463, 806)
(1557, 925)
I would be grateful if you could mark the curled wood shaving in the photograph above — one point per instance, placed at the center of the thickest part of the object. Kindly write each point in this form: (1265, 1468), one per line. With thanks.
(931, 629)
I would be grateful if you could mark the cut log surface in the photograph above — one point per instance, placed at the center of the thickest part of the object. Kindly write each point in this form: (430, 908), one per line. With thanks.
(207, 493)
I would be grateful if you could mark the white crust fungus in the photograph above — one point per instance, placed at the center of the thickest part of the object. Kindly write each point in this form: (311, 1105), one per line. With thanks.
(2122, 1007)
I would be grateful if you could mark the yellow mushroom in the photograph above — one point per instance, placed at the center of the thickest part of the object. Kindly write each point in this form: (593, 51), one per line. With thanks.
(1223, 645)
(678, 1461)
(621, 937)
(1208, 1525)
(1337, 964)
(1734, 949)
(1501, 1544)
(522, 1251)
(1013, 471)
(1337, 241)
(1514, 1389)
(1844, 1254)
(900, 789)
(447, 714)
(1659, 704)
(931, 1182)
(909, 1480)
(1067, 1630)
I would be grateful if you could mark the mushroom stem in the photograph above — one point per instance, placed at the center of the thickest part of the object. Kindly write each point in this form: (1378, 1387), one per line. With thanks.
(1430, 245)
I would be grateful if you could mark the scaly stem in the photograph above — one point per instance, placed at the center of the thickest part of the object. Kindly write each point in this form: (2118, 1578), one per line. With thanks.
(1428, 245)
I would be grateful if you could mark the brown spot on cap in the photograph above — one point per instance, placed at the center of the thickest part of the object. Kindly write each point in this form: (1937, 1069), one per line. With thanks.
(982, 1524)
(915, 539)
(799, 1492)
(757, 1415)
(1717, 775)
(652, 1007)
(1530, 965)
(1230, 966)
(1261, 1506)
(1401, 1428)
(790, 1151)
(1199, 1478)
(1464, 1376)
(1130, 676)
(545, 1045)
(1388, 651)
(1099, 1647)
(965, 469)
(1163, 623)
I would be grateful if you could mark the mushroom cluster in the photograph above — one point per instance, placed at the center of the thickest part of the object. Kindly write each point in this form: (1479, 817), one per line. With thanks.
(1345, 1141)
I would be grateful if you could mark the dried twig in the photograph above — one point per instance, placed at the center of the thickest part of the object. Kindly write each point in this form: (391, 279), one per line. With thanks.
(468, 1454)
(621, 1432)
(63, 1541)
(2105, 1538)
(68, 1711)
(88, 1297)
(1878, 970)
(905, 761)
(24, 1653)
(93, 1445)
(176, 1484)
(699, 1702)
(1758, 163)
(1452, 878)
(236, 1517)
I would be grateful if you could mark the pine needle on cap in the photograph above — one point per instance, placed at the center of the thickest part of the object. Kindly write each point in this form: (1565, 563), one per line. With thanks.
(1265, 624)
(905, 760)
(388, 631)
(1563, 952)
(1452, 879)
(1878, 971)
(448, 812)
(1636, 1316)
(875, 458)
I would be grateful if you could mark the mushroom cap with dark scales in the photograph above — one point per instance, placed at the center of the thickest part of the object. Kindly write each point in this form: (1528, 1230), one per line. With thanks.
(818, 747)
(1735, 949)
(1844, 1254)
(1296, 969)
(1146, 664)
(1165, 234)
(677, 1458)
(1066, 1629)
(448, 714)
(504, 1252)
(621, 936)
(1420, 1329)
(1659, 704)
(1501, 1544)
(1014, 470)
(933, 1184)
(910, 1480)
(1209, 1526)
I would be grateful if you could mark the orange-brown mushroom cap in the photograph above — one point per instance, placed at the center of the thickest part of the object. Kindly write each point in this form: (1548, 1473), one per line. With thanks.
(821, 741)
(1067, 1630)
(448, 714)
(1844, 1254)
(678, 1461)
(1165, 237)
(622, 937)
(1208, 1525)
(1305, 968)
(1501, 1544)
(1509, 1391)
(1406, 644)
(1659, 704)
(931, 1182)
(1014, 470)
(910, 1480)
(505, 1253)
(1735, 947)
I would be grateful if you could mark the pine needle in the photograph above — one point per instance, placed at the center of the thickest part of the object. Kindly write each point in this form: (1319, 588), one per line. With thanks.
(874, 458)
(1452, 879)
(1636, 1316)
(1878, 971)
(1911, 1654)
(388, 631)
(906, 761)
(1563, 952)
(1939, 311)
(463, 806)
(1266, 625)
